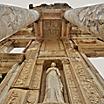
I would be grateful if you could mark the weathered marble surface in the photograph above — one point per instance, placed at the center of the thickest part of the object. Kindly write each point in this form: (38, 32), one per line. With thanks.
(54, 86)
(12, 19)
(89, 18)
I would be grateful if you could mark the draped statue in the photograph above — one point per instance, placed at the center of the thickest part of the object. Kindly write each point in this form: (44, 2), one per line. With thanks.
(54, 86)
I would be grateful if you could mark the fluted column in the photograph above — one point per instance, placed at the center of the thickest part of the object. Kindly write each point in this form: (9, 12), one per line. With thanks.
(12, 19)
(90, 19)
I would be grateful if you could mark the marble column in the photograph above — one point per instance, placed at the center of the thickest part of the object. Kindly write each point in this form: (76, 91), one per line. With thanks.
(63, 29)
(41, 32)
(89, 19)
(36, 32)
(12, 19)
(68, 30)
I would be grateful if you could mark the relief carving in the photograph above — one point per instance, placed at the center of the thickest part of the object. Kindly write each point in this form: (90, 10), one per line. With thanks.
(25, 75)
(73, 90)
(16, 96)
(86, 81)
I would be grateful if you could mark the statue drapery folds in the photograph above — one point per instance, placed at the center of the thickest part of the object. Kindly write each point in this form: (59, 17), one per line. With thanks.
(54, 86)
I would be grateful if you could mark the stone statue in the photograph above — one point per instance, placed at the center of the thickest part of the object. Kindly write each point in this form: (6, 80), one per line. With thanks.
(54, 86)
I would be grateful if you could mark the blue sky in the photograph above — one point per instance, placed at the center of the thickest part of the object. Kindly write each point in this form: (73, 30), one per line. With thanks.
(73, 3)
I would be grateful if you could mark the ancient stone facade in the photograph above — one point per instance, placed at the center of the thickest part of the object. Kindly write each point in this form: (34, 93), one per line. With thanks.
(50, 39)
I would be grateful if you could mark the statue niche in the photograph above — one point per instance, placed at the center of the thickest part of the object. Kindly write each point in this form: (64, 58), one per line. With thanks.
(54, 86)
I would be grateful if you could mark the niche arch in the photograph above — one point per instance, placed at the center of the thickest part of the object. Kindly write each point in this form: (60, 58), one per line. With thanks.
(46, 65)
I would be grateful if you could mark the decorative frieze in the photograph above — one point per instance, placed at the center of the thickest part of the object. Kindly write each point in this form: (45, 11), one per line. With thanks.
(86, 82)
(75, 96)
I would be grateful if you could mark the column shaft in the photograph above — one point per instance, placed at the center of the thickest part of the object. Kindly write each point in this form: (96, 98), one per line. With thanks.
(90, 19)
(12, 19)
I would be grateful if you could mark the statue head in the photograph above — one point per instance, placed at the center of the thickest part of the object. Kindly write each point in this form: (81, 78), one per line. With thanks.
(53, 64)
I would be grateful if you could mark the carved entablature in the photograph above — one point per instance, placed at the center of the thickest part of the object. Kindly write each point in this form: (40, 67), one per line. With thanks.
(91, 46)
(51, 16)
(88, 41)
(54, 16)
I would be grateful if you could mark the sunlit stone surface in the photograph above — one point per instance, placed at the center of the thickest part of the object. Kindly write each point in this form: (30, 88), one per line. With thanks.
(17, 50)
(12, 19)
(89, 18)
